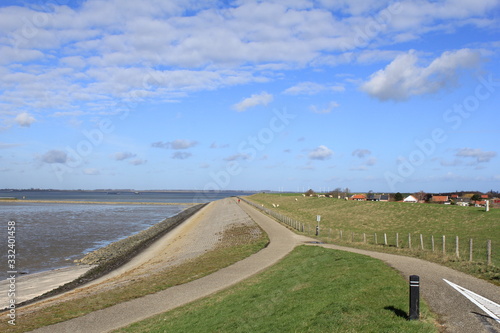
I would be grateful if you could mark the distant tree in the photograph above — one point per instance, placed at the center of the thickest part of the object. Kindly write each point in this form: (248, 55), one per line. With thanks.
(398, 197)
(421, 196)
(476, 197)
(310, 193)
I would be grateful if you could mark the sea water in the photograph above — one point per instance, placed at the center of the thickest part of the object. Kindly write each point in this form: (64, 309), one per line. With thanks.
(53, 235)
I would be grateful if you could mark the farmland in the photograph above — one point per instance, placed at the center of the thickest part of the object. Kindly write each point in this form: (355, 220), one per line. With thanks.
(365, 223)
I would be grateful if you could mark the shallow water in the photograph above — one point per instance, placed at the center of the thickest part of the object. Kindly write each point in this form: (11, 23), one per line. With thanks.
(50, 236)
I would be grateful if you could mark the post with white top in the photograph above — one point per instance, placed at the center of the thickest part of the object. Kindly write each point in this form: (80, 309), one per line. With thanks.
(318, 218)
(414, 297)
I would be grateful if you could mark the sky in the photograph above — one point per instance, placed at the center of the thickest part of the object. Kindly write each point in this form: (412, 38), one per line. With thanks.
(289, 95)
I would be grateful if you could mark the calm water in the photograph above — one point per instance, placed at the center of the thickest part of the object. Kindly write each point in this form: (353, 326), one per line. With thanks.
(52, 235)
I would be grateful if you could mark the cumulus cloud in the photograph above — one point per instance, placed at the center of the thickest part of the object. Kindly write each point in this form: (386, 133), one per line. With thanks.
(361, 153)
(181, 155)
(263, 98)
(328, 109)
(91, 172)
(478, 155)
(55, 156)
(404, 77)
(312, 88)
(176, 144)
(25, 119)
(320, 153)
(138, 161)
(237, 157)
(120, 156)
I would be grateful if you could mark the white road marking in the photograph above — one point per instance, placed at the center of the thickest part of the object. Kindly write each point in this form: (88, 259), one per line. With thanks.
(490, 307)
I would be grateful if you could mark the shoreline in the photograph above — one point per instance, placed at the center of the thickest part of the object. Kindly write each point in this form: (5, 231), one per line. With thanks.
(100, 202)
(96, 264)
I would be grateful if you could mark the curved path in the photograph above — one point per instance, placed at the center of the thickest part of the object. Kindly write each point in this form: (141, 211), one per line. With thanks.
(457, 313)
(282, 242)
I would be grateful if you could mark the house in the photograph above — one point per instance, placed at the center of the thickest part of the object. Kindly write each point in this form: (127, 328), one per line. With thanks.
(439, 198)
(358, 197)
(377, 197)
(411, 199)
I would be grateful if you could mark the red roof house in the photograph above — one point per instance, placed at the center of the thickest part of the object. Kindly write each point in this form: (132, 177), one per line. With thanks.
(358, 197)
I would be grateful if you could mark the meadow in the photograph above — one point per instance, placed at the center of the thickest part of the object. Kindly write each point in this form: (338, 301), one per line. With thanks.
(311, 290)
(368, 224)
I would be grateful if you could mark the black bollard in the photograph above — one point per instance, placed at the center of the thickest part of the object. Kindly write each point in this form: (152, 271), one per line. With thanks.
(317, 230)
(414, 297)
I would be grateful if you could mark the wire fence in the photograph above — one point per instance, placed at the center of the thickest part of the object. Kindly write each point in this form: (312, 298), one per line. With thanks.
(469, 249)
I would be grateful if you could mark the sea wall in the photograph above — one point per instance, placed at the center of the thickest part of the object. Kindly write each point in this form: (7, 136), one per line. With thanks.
(116, 254)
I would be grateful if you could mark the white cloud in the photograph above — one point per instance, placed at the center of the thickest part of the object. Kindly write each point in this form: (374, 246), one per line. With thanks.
(176, 144)
(404, 78)
(181, 155)
(91, 172)
(321, 153)
(138, 161)
(478, 155)
(312, 88)
(329, 108)
(25, 119)
(120, 156)
(237, 157)
(54, 156)
(263, 98)
(361, 153)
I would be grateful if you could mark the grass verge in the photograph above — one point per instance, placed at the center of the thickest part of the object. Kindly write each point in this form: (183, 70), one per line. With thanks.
(311, 290)
(355, 218)
(235, 246)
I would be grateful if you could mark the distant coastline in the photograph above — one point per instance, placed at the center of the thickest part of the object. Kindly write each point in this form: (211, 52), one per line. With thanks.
(14, 200)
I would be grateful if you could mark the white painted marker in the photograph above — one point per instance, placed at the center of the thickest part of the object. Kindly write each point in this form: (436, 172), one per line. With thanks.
(490, 307)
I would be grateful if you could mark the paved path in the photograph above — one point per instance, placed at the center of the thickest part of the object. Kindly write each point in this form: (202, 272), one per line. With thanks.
(458, 314)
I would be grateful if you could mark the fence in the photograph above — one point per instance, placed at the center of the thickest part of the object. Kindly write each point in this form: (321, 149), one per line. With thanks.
(479, 251)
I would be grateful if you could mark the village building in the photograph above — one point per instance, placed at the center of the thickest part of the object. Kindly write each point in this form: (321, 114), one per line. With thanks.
(411, 199)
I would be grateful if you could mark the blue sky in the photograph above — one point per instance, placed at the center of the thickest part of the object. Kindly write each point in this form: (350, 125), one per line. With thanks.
(250, 95)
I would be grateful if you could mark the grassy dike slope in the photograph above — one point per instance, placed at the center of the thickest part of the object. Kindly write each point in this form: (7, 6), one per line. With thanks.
(360, 217)
(311, 290)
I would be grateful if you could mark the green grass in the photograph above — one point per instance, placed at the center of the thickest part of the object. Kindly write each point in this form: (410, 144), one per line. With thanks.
(354, 218)
(312, 290)
(236, 245)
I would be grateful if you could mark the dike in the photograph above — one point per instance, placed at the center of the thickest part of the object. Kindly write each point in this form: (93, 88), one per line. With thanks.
(116, 254)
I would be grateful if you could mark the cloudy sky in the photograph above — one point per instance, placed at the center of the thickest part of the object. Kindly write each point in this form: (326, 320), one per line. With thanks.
(280, 95)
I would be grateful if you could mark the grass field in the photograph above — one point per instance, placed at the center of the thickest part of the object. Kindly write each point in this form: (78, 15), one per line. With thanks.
(312, 290)
(355, 218)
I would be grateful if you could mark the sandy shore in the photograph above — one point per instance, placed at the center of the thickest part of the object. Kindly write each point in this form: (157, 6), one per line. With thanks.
(33, 285)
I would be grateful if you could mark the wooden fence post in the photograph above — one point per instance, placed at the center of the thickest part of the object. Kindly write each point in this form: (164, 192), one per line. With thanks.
(444, 245)
(489, 252)
(457, 251)
(385, 239)
(364, 238)
(470, 249)
(421, 241)
(409, 241)
(432, 241)
(397, 239)
(375, 235)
